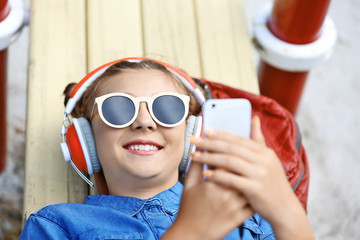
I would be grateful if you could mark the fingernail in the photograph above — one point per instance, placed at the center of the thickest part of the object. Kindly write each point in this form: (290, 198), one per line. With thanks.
(210, 133)
(194, 154)
(208, 173)
(194, 140)
(256, 118)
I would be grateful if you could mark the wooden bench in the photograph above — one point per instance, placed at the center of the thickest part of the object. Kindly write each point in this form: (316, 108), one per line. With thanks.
(207, 38)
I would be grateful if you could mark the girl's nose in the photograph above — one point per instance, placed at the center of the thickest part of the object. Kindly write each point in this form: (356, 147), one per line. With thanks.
(144, 120)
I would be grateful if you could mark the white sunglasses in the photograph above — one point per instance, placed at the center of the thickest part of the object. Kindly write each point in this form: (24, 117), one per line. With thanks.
(119, 110)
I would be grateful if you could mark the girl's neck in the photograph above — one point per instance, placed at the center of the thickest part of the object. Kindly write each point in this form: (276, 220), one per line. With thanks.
(143, 189)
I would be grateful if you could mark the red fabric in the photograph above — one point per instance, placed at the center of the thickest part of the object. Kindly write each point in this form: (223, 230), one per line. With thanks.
(280, 131)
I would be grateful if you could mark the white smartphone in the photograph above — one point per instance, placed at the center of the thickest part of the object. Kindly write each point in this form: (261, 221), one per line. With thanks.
(228, 115)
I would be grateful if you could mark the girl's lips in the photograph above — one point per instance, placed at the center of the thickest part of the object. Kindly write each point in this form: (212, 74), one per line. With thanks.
(142, 147)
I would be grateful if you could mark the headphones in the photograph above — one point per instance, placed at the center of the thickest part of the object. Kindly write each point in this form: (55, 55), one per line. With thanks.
(78, 143)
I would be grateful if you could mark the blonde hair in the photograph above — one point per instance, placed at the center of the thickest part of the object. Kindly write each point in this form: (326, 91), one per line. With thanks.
(84, 106)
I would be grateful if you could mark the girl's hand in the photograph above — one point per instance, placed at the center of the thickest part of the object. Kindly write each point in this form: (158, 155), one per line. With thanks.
(252, 169)
(208, 210)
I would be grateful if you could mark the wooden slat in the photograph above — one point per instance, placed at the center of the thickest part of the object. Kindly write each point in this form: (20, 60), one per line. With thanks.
(225, 44)
(57, 56)
(170, 33)
(114, 30)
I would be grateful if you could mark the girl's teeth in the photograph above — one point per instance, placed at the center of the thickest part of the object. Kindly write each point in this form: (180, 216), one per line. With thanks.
(143, 147)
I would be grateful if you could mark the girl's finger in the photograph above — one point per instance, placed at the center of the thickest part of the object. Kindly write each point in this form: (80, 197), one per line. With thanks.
(241, 184)
(230, 138)
(194, 175)
(221, 146)
(224, 161)
(236, 149)
(256, 133)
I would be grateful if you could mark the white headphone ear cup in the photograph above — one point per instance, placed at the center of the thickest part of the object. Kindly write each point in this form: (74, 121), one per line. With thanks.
(89, 140)
(191, 128)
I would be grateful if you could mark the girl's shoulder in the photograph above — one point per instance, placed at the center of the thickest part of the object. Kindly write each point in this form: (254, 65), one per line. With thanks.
(83, 221)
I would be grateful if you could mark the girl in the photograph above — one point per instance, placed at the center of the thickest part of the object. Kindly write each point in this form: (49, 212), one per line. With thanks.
(136, 111)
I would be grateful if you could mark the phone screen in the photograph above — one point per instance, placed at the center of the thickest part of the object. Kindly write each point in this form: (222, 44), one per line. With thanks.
(228, 115)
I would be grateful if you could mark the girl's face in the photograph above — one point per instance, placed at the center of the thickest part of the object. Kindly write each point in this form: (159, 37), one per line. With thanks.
(128, 170)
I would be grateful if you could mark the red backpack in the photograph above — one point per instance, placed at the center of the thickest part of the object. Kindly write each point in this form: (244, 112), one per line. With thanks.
(280, 131)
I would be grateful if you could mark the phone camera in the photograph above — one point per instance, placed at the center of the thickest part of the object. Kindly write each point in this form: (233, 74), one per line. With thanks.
(213, 105)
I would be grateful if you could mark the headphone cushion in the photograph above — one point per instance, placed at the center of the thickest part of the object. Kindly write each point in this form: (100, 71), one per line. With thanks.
(89, 140)
(190, 130)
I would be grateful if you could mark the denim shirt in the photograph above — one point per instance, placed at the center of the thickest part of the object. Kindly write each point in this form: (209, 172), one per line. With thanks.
(116, 217)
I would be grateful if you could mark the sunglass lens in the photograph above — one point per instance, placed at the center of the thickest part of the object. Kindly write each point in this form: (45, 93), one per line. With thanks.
(168, 109)
(118, 110)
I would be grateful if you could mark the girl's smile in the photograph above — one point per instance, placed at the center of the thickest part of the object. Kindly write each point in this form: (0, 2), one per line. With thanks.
(143, 147)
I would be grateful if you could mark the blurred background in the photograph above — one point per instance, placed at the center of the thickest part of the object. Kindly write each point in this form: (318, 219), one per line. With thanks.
(329, 119)
(328, 115)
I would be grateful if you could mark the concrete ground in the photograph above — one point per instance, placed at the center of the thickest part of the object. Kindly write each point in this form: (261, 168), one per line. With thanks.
(328, 116)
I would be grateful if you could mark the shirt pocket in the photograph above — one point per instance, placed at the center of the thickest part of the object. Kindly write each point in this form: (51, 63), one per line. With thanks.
(97, 234)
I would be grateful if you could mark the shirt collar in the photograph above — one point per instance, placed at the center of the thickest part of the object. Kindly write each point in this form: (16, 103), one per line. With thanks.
(253, 225)
(169, 200)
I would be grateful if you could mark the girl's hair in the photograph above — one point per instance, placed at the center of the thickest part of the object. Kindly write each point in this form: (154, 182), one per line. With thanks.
(85, 105)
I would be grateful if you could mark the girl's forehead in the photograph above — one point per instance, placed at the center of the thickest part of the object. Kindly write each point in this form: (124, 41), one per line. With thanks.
(140, 83)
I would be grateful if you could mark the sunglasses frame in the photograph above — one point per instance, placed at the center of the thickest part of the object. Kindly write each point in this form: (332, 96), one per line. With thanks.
(136, 101)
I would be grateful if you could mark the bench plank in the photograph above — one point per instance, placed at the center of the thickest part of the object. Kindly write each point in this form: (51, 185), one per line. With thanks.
(57, 56)
(224, 43)
(170, 33)
(114, 31)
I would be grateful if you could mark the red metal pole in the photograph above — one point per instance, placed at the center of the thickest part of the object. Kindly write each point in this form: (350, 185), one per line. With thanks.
(4, 9)
(295, 22)
(283, 86)
(298, 21)
(4, 12)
